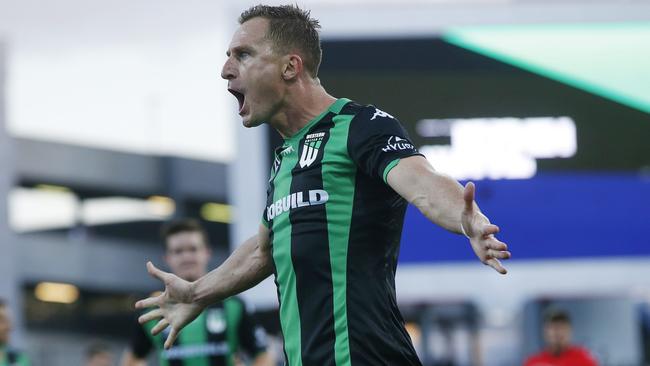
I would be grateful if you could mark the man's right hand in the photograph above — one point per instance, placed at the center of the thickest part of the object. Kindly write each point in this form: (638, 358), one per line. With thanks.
(175, 305)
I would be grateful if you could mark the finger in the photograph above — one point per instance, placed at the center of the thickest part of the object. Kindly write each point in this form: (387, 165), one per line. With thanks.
(153, 314)
(499, 254)
(489, 229)
(160, 326)
(155, 272)
(171, 338)
(496, 264)
(493, 243)
(148, 302)
(468, 196)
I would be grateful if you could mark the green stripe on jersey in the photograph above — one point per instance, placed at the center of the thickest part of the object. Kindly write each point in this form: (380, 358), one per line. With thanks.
(198, 335)
(339, 182)
(289, 314)
(157, 340)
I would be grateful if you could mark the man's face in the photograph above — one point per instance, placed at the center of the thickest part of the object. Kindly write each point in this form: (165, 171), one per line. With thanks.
(254, 73)
(5, 325)
(187, 255)
(557, 335)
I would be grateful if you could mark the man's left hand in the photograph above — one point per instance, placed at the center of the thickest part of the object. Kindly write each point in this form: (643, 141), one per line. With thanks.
(481, 232)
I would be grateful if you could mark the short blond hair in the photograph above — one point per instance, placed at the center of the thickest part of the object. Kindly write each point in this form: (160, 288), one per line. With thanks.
(290, 29)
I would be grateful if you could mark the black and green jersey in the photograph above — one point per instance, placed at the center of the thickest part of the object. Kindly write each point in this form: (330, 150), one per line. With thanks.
(335, 231)
(212, 339)
(10, 357)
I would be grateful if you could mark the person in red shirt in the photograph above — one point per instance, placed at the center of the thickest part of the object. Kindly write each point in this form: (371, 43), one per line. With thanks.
(559, 349)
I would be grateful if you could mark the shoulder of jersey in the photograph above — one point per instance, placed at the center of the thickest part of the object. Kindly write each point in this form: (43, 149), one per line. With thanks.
(352, 108)
(365, 112)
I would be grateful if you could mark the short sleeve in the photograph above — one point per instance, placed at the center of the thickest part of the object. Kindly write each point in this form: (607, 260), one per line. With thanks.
(377, 141)
(140, 343)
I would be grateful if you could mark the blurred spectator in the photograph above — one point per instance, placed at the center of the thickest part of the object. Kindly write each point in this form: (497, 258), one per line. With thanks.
(559, 349)
(99, 354)
(220, 334)
(8, 356)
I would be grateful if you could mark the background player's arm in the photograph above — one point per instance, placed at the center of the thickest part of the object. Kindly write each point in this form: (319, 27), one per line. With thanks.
(448, 204)
(182, 301)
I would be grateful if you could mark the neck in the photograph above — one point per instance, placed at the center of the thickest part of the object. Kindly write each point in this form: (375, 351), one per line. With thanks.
(304, 100)
(557, 350)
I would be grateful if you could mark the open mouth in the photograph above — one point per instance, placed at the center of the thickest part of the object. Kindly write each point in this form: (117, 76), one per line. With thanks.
(240, 98)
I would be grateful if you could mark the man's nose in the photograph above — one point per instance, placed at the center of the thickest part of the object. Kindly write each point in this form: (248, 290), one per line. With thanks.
(227, 72)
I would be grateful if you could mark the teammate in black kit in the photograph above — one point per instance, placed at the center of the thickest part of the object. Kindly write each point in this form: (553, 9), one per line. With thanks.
(219, 334)
(337, 194)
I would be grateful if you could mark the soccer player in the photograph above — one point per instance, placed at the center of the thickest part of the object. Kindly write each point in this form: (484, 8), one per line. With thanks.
(559, 350)
(337, 195)
(219, 334)
(8, 356)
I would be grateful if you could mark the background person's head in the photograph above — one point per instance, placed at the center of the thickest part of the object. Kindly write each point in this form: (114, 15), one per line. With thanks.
(187, 251)
(5, 323)
(99, 354)
(275, 49)
(557, 331)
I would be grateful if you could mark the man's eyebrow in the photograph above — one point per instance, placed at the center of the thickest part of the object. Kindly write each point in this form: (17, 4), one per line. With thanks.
(238, 49)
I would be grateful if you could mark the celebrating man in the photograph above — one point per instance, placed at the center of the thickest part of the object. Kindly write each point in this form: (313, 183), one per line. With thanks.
(337, 195)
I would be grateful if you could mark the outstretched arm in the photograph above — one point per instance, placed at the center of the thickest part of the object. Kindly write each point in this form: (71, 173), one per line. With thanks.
(448, 204)
(182, 301)
(247, 266)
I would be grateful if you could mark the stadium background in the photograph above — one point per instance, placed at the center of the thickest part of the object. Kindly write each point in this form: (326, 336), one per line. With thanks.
(114, 119)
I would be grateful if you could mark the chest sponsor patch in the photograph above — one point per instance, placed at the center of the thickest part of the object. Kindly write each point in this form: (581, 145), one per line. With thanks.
(297, 200)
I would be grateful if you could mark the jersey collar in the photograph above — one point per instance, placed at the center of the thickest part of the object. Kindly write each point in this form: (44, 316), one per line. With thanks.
(334, 108)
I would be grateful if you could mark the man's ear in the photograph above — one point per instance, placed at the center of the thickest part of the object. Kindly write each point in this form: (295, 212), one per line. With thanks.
(292, 66)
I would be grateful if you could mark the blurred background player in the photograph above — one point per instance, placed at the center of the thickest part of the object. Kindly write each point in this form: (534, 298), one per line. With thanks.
(8, 357)
(99, 354)
(215, 338)
(559, 349)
